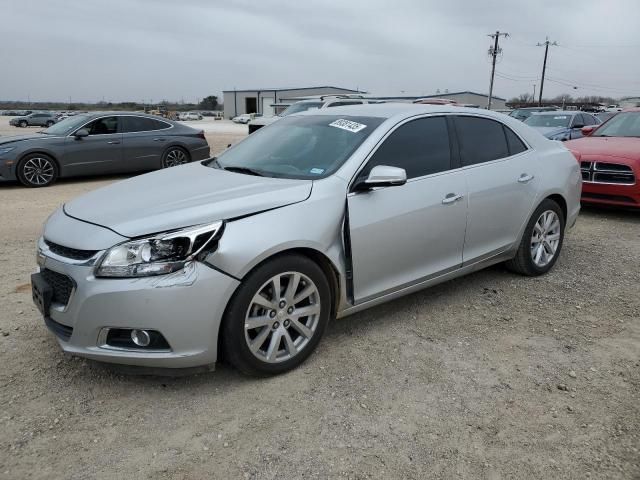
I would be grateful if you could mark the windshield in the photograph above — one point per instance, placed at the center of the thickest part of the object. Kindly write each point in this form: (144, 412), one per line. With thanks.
(552, 120)
(66, 126)
(302, 147)
(300, 107)
(626, 124)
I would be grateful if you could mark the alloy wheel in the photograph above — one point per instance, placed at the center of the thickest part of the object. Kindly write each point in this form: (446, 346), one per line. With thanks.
(282, 317)
(545, 238)
(38, 171)
(175, 157)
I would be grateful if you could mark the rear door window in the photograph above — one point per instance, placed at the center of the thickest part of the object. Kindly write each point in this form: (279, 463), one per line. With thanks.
(142, 124)
(480, 140)
(513, 141)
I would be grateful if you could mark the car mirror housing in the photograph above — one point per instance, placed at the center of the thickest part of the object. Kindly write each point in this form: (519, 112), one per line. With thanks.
(383, 176)
(81, 133)
(588, 130)
(578, 125)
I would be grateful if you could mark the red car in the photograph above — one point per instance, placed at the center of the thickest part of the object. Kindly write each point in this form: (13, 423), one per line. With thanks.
(609, 156)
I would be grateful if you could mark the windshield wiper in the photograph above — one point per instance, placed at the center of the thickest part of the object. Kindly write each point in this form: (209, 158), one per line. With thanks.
(212, 162)
(245, 170)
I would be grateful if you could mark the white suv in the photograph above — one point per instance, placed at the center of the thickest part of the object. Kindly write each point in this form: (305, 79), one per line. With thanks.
(324, 101)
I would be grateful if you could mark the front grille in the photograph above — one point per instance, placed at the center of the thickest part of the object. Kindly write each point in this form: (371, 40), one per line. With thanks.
(607, 172)
(60, 284)
(60, 330)
(68, 252)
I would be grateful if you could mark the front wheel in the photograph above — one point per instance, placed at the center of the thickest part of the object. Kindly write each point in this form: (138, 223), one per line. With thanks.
(49, 123)
(174, 156)
(37, 170)
(277, 316)
(541, 242)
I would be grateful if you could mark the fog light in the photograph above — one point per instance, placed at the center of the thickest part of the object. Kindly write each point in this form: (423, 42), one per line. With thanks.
(141, 338)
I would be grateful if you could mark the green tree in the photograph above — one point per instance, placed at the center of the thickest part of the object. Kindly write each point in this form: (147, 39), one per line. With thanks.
(209, 103)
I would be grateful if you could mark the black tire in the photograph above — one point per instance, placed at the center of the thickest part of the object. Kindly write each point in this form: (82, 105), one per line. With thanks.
(49, 123)
(173, 155)
(523, 263)
(22, 124)
(234, 340)
(47, 166)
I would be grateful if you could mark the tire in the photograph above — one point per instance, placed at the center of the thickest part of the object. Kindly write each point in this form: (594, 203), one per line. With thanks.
(22, 124)
(37, 170)
(281, 338)
(532, 258)
(174, 156)
(49, 123)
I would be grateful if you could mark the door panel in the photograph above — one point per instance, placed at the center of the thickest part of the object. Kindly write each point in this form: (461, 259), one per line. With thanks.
(91, 155)
(501, 195)
(144, 141)
(400, 235)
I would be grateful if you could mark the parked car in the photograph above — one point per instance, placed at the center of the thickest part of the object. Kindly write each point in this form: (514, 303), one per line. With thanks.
(604, 116)
(190, 116)
(609, 158)
(37, 119)
(523, 113)
(324, 101)
(244, 118)
(561, 125)
(323, 214)
(99, 143)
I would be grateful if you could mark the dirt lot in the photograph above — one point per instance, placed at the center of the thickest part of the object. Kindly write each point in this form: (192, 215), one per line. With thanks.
(491, 376)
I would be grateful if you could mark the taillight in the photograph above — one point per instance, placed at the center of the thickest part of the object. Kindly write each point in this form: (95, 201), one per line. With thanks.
(200, 134)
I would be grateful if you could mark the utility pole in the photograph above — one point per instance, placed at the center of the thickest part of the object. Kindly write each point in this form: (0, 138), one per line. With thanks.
(533, 99)
(493, 52)
(544, 65)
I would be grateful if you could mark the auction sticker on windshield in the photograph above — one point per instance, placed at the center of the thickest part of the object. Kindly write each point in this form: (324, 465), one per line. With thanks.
(348, 125)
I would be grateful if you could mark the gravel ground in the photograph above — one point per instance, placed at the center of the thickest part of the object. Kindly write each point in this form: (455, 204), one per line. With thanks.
(490, 376)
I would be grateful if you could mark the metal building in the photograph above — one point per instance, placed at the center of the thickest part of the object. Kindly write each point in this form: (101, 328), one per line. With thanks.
(237, 102)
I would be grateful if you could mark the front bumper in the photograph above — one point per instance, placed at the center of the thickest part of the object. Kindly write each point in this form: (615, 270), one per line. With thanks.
(186, 307)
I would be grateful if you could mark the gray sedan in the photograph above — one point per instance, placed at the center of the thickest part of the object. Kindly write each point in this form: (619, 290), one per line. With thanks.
(322, 214)
(99, 143)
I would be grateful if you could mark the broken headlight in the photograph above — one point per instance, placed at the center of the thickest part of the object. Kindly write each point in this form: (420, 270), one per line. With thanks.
(159, 254)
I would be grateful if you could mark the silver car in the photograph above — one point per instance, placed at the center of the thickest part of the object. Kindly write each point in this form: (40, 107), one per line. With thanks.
(322, 214)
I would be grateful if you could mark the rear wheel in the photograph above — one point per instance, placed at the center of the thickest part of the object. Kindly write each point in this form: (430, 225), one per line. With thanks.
(22, 123)
(37, 170)
(175, 156)
(49, 123)
(277, 316)
(541, 242)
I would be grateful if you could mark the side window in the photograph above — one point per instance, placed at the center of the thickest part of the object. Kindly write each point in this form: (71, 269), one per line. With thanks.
(513, 141)
(481, 140)
(421, 147)
(589, 119)
(103, 126)
(343, 103)
(142, 124)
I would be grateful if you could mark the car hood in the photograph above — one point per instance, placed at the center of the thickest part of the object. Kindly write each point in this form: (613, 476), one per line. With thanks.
(621, 147)
(21, 138)
(551, 131)
(183, 196)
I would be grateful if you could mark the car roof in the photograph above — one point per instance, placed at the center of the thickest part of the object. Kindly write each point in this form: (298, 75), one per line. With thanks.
(388, 110)
(561, 112)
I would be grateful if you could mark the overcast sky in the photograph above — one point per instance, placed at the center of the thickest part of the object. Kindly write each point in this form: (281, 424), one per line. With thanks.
(186, 49)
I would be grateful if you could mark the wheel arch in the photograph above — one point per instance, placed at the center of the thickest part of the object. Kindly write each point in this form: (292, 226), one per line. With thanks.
(560, 200)
(40, 152)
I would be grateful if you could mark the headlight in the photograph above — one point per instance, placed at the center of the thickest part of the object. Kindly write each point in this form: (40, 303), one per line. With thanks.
(6, 149)
(159, 254)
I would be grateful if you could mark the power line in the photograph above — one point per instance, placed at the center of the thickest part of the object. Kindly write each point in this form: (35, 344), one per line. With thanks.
(493, 52)
(544, 64)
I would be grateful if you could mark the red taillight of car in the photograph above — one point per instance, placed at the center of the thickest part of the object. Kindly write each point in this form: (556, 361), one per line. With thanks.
(200, 134)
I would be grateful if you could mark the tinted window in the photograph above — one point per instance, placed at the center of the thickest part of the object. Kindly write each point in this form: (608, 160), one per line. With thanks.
(625, 124)
(103, 126)
(142, 124)
(481, 140)
(341, 104)
(513, 141)
(421, 147)
(589, 119)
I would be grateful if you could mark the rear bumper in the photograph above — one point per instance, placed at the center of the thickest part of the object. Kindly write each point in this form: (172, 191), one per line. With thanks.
(200, 153)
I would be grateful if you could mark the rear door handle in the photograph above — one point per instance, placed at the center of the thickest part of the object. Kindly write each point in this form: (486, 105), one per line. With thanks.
(113, 142)
(451, 198)
(525, 178)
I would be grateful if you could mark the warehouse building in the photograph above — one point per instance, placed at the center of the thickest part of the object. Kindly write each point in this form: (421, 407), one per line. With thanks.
(237, 102)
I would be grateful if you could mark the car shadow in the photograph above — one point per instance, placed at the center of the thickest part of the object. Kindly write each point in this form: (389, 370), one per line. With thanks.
(14, 184)
(611, 213)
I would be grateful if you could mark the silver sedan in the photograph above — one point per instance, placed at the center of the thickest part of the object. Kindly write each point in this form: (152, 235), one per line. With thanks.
(247, 257)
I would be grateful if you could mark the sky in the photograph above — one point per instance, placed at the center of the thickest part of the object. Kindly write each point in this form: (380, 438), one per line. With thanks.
(152, 50)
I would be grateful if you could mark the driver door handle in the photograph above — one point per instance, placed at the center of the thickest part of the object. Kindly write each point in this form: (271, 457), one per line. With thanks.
(525, 178)
(451, 198)
(113, 142)
(159, 139)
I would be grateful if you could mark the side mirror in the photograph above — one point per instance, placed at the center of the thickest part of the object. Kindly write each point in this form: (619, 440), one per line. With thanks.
(578, 125)
(383, 176)
(81, 133)
(588, 130)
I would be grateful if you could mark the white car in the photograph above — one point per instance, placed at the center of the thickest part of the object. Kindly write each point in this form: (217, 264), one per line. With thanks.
(244, 118)
(190, 116)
